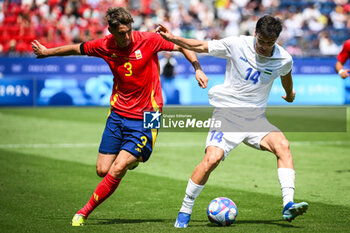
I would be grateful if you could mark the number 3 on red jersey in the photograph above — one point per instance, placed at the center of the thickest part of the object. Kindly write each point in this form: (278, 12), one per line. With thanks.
(128, 66)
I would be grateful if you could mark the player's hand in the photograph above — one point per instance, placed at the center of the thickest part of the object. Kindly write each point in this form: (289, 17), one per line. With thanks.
(289, 98)
(202, 79)
(164, 32)
(39, 49)
(344, 74)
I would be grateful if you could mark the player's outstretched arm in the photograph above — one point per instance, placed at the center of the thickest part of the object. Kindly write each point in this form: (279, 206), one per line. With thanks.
(287, 83)
(191, 44)
(343, 73)
(66, 50)
(201, 78)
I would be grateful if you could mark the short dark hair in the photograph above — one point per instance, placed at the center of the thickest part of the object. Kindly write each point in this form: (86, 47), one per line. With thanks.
(118, 15)
(269, 26)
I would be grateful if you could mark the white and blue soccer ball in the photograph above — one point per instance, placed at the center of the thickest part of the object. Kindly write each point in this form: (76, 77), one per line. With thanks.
(222, 211)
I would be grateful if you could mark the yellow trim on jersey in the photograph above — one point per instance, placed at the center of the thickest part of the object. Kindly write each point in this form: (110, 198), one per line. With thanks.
(158, 65)
(153, 101)
(115, 96)
(154, 136)
(110, 111)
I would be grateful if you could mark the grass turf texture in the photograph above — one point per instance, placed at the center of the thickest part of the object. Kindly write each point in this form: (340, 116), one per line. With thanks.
(48, 173)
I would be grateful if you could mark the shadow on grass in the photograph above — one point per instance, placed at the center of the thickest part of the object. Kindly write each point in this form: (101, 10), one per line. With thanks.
(132, 221)
(278, 222)
(126, 221)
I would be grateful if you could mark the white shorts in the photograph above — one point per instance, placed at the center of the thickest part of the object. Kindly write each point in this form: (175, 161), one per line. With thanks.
(236, 129)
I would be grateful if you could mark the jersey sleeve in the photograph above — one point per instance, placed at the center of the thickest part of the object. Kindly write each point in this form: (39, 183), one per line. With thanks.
(287, 67)
(160, 44)
(343, 56)
(221, 48)
(91, 48)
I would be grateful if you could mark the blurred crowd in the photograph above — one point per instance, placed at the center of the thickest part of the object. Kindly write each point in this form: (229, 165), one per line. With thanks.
(311, 27)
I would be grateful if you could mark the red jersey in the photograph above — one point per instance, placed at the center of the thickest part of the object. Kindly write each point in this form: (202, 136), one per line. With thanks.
(344, 53)
(136, 82)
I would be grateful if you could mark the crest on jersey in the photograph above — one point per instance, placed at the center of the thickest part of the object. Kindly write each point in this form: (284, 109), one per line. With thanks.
(138, 54)
(114, 55)
(243, 59)
(268, 71)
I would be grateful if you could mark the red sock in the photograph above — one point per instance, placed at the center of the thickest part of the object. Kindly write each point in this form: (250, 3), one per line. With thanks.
(103, 190)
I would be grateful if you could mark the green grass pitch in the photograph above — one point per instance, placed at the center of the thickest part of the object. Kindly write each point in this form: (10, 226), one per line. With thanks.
(47, 173)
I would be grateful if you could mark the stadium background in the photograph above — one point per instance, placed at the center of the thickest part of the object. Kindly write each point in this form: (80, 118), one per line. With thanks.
(313, 33)
(48, 154)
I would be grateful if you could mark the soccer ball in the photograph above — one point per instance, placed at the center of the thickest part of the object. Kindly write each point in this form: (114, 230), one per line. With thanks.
(222, 211)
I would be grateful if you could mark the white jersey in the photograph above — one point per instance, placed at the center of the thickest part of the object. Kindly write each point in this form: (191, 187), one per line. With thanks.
(249, 76)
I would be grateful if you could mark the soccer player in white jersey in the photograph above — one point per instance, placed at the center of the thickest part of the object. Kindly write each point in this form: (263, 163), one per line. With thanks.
(252, 65)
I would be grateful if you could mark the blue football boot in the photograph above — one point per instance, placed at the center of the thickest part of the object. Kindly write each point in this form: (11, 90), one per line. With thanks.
(292, 210)
(182, 220)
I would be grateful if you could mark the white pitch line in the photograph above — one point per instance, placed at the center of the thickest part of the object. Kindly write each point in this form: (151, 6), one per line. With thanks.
(82, 145)
(320, 143)
(42, 145)
(161, 144)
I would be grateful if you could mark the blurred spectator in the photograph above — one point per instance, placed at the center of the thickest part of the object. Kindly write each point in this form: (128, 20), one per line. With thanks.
(167, 66)
(327, 46)
(167, 70)
(230, 16)
(339, 17)
(2, 15)
(342, 57)
(11, 51)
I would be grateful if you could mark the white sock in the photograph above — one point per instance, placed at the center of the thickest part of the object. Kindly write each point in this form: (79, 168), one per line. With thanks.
(286, 176)
(192, 192)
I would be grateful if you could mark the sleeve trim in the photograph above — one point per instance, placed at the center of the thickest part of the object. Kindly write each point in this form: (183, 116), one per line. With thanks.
(82, 49)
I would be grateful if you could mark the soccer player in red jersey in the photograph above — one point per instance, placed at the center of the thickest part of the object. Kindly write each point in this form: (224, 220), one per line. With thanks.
(132, 58)
(342, 57)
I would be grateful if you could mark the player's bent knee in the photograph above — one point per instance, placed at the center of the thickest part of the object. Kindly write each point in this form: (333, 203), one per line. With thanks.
(102, 169)
(211, 162)
(282, 146)
(101, 172)
(118, 169)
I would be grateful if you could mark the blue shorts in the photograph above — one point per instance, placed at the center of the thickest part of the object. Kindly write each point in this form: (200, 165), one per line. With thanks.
(122, 133)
